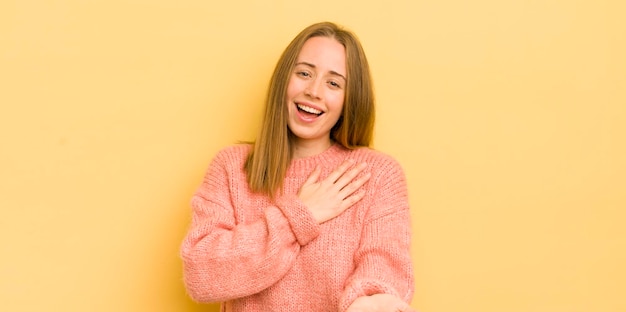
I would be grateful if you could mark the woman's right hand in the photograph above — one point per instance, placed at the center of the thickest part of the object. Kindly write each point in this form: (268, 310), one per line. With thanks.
(329, 197)
(379, 303)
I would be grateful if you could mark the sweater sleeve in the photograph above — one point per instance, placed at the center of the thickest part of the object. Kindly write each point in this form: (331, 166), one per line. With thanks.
(224, 260)
(383, 263)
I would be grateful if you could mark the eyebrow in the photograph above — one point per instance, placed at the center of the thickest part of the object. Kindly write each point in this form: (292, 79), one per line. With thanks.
(332, 71)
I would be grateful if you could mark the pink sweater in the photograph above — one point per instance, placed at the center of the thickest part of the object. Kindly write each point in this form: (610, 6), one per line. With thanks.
(253, 254)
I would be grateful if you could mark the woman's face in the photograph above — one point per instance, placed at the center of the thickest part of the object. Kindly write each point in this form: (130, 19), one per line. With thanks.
(316, 91)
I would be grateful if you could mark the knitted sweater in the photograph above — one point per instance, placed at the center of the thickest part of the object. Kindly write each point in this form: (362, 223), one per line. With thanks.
(254, 254)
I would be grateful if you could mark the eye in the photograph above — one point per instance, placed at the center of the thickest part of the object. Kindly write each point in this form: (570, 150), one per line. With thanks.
(334, 84)
(303, 74)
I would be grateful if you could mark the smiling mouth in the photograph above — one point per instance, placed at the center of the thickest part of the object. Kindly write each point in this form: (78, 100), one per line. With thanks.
(309, 110)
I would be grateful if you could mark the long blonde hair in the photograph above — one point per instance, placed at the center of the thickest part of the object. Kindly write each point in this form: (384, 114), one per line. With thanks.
(267, 164)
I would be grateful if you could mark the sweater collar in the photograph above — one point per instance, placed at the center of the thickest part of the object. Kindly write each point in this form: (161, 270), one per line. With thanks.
(331, 156)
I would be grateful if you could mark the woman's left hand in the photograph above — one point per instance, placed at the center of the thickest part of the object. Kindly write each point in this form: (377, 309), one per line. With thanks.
(379, 303)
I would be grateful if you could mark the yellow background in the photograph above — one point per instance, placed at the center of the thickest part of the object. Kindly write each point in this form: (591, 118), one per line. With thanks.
(509, 118)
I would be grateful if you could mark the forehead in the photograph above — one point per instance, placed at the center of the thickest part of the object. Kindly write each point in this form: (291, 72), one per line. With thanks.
(325, 53)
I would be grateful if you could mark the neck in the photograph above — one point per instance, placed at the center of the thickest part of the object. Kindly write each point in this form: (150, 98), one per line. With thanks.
(304, 148)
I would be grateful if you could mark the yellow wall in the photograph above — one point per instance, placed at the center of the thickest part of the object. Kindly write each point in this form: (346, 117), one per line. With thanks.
(508, 116)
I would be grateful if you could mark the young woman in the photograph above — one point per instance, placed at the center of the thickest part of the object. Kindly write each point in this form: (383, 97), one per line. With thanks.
(308, 218)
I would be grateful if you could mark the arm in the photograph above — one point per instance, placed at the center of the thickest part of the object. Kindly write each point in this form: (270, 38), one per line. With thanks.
(383, 264)
(224, 260)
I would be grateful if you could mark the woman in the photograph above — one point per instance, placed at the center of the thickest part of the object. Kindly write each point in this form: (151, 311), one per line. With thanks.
(307, 218)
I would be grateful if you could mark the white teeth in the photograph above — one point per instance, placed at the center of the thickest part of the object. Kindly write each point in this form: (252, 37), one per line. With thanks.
(309, 109)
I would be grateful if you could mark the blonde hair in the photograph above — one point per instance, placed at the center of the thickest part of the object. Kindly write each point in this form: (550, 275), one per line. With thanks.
(267, 164)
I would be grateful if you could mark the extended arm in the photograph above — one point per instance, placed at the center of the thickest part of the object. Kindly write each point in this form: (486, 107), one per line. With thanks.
(383, 264)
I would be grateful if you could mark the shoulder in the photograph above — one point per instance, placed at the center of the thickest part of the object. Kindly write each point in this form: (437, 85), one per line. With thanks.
(387, 187)
(376, 160)
(387, 173)
(235, 150)
(234, 155)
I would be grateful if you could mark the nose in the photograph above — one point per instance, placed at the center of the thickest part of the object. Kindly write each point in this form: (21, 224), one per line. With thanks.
(312, 88)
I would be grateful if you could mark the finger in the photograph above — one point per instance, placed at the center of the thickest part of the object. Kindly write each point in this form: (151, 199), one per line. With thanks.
(314, 176)
(405, 307)
(351, 200)
(337, 173)
(354, 185)
(347, 177)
